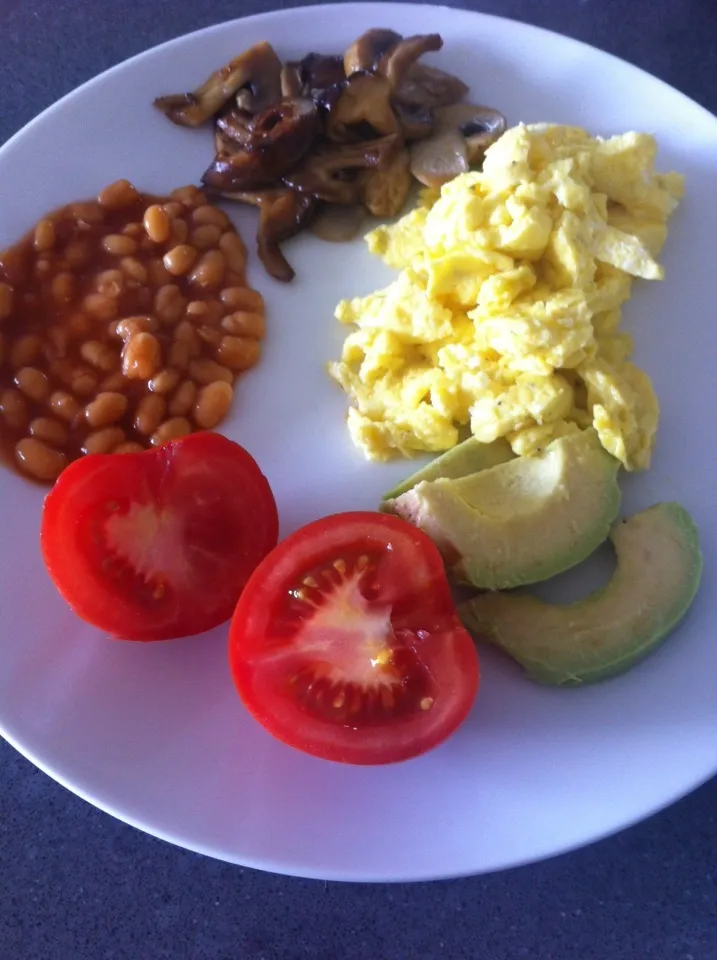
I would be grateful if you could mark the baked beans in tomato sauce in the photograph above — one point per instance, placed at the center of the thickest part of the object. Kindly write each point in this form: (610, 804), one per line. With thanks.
(124, 323)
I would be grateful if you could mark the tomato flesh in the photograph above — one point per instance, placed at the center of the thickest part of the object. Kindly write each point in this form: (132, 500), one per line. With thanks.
(159, 544)
(346, 643)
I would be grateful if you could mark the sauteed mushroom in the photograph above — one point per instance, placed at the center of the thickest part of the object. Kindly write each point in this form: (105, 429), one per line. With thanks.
(462, 135)
(323, 174)
(258, 69)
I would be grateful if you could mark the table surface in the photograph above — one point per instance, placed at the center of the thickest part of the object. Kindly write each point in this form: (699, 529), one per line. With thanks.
(75, 883)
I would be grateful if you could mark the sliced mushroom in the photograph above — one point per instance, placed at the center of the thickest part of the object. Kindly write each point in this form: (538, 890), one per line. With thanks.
(362, 111)
(235, 127)
(291, 83)
(258, 69)
(323, 174)
(282, 214)
(337, 223)
(396, 63)
(462, 135)
(430, 87)
(365, 52)
(277, 140)
(321, 78)
(415, 120)
(386, 189)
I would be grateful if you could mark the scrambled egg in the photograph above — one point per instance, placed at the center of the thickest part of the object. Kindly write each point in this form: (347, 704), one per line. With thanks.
(505, 317)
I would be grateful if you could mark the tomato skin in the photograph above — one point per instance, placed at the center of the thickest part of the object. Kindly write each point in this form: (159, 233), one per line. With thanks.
(159, 544)
(269, 652)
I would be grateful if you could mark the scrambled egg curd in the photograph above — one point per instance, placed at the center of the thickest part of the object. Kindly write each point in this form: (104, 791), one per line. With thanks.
(506, 313)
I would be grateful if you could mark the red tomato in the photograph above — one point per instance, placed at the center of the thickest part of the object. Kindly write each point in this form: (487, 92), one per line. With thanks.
(155, 545)
(346, 642)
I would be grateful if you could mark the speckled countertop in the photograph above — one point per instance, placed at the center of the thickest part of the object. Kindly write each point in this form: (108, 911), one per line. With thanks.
(76, 884)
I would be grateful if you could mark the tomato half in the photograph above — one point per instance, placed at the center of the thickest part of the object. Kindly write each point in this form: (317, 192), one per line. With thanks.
(346, 643)
(155, 545)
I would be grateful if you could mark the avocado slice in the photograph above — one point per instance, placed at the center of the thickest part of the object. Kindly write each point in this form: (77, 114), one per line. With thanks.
(524, 520)
(659, 565)
(467, 457)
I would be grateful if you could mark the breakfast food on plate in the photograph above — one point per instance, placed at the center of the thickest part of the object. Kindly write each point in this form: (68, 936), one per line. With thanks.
(506, 313)
(521, 521)
(658, 572)
(467, 457)
(346, 644)
(158, 544)
(322, 138)
(123, 323)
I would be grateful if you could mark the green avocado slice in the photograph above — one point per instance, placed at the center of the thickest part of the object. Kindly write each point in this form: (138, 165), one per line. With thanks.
(521, 521)
(659, 566)
(467, 457)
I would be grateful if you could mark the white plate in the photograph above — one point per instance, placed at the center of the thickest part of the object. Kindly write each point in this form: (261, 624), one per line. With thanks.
(155, 734)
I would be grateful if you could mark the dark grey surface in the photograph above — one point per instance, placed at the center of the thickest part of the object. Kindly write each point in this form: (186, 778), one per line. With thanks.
(76, 884)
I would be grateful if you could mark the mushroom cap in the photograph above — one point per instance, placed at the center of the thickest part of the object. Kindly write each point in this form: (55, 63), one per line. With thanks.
(366, 51)
(362, 110)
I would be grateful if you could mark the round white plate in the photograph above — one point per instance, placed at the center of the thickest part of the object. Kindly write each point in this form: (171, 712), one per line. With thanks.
(154, 734)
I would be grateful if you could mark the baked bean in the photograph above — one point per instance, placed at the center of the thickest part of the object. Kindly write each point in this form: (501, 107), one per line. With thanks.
(63, 405)
(33, 383)
(209, 271)
(133, 230)
(45, 235)
(232, 246)
(119, 194)
(173, 210)
(84, 382)
(157, 223)
(208, 371)
(242, 298)
(179, 355)
(164, 382)
(115, 383)
(197, 310)
(150, 413)
(169, 304)
(25, 351)
(179, 260)
(239, 353)
(209, 335)
(87, 212)
(77, 253)
(5, 300)
(206, 236)
(110, 283)
(99, 355)
(118, 245)
(213, 404)
(242, 323)
(158, 273)
(100, 306)
(39, 460)
(185, 333)
(171, 430)
(190, 195)
(180, 232)
(78, 325)
(205, 214)
(58, 340)
(134, 269)
(183, 399)
(14, 409)
(105, 409)
(42, 268)
(132, 325)
(63, 287)
(129, 447)
(141, 357)
(235, 279)
(49, 431)
(103, 441)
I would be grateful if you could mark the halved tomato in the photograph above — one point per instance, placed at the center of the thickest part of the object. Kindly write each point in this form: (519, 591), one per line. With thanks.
(155, 545)
(346, 643)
